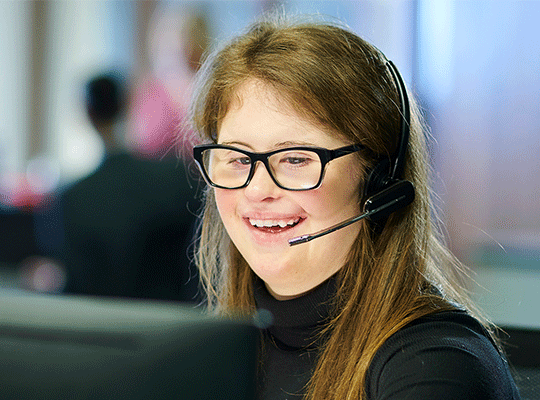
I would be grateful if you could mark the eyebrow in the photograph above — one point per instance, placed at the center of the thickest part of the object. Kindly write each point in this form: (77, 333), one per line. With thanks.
(278, 145)
(296, 143)
(235, 143)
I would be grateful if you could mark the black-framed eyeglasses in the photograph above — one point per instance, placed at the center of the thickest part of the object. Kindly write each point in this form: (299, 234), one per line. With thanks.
(292, 168)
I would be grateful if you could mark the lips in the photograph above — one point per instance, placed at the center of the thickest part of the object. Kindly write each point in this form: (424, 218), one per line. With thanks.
(274, 225)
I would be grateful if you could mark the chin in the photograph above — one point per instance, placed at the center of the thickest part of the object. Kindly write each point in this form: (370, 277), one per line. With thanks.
(273, 271)
(282, 280)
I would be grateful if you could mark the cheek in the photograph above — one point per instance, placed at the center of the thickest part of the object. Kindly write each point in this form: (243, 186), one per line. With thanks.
(342, 192)
(331, 201)
(226, 204)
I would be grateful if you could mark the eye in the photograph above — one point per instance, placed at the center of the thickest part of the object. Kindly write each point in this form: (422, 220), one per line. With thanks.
(295, 160)
(298, 159)
(239, 160)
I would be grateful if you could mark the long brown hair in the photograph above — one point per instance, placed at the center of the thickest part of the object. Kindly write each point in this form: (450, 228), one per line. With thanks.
(339, 80)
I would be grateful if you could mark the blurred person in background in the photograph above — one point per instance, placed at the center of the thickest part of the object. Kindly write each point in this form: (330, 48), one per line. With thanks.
(177, 37)
(125, 229)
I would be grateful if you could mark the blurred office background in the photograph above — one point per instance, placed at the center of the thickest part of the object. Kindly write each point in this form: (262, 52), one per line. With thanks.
(474, 65)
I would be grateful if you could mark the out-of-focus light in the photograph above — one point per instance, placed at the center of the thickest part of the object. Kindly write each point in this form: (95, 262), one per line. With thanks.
(42, 175)
(42, 274)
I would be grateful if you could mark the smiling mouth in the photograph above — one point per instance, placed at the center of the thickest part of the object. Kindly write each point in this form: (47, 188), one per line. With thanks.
(274, 226)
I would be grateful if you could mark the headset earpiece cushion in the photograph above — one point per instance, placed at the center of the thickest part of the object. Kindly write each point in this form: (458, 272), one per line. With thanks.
(377, 178)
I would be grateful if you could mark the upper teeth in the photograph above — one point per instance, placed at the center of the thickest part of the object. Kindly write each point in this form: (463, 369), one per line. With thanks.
(260, 223)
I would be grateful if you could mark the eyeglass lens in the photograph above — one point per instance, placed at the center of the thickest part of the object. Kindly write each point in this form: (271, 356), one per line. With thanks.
(292, 168)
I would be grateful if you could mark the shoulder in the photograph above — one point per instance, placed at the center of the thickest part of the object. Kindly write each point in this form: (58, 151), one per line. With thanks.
(447, 355)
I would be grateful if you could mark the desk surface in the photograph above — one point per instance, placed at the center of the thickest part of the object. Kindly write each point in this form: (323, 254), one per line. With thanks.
(8, 276)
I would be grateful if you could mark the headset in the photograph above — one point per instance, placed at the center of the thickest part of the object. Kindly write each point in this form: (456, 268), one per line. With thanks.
(385, 184)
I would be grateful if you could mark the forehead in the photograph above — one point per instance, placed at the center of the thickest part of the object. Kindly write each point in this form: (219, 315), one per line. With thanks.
(257, 91)
(259, 114)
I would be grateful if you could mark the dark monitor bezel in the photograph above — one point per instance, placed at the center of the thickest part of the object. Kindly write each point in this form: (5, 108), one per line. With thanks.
(55, 347)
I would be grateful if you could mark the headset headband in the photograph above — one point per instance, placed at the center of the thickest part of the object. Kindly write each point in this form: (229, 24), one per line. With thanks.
(399, 156)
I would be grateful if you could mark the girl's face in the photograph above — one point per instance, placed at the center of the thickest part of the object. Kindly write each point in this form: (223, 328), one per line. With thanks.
(258, 121)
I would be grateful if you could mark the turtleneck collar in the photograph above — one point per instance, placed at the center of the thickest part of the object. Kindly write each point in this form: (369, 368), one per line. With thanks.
(296, 322)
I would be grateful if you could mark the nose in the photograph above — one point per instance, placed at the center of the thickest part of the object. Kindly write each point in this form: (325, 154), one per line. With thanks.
(261, 186)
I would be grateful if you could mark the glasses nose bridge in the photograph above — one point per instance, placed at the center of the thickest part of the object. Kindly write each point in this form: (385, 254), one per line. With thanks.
(264, 160)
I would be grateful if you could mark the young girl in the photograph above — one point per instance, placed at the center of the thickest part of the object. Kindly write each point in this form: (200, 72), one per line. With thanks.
(308, 126)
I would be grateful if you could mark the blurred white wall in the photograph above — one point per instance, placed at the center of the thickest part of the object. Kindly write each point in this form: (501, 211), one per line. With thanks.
(14, 78)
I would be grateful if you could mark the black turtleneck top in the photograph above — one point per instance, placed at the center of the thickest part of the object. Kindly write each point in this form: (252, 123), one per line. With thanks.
(447, 355)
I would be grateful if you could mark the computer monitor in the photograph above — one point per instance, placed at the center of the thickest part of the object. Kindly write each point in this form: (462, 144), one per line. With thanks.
(65, 347)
